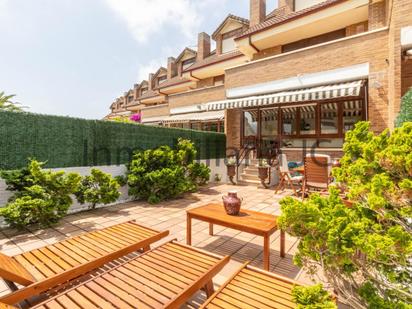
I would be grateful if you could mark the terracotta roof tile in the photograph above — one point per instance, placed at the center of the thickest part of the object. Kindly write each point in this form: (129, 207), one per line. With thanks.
(213, 59)
(275, 18)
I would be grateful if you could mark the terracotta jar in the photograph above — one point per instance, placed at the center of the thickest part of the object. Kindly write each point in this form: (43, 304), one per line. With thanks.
(232, 203)
(231, 170)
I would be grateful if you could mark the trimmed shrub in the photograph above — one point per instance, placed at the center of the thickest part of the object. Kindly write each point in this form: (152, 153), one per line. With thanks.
(97, 188)
(41, 196)
(163, 173)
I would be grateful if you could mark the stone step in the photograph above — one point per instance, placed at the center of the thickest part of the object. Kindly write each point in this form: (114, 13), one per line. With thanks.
(249, 182)
(244, 176)
(253, 172)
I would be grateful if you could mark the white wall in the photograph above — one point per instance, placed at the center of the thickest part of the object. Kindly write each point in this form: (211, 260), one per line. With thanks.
(217, 166)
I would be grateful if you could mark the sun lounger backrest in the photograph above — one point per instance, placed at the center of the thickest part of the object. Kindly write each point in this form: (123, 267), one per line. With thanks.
(11, 270)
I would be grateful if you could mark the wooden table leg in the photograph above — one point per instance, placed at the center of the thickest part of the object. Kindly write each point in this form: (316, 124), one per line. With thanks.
(266, 252)
(188, 230)
(211, 229)
(282, 243)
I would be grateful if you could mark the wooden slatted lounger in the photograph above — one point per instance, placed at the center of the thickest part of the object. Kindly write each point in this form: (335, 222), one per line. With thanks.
(165, 277)
(75, 256)
(253, 288)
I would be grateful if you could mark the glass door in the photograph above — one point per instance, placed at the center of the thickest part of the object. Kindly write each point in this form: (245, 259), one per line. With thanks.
(269, 132)
(250, 128)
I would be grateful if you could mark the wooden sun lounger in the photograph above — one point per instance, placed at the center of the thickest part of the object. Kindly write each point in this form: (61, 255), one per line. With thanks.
(165, 277)
(251, 288)
(54, 264)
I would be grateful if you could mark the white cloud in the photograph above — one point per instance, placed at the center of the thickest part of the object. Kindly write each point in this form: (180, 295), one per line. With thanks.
(150, 67)
(146, 17)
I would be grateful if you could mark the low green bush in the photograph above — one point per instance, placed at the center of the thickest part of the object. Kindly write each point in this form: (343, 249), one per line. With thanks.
(97, 188)
(312, 297)
(40, 196)
(163, 173)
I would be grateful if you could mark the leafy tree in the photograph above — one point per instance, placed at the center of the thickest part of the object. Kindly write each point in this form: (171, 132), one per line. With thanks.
(405, 114)
(41, 196)
(364, 250)
(164, 173)
(7, 105)
(97, 188)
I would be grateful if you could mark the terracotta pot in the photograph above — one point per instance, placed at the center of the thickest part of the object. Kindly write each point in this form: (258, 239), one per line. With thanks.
(232, 203)
(263, 172)
(231, 170)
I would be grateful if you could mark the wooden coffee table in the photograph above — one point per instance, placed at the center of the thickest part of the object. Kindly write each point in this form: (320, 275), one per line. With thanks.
(248, 221)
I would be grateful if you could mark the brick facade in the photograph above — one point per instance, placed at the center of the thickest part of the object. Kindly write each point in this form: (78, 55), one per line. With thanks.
(197, 96)
(375, 41)
(369, 48)
(159, 110)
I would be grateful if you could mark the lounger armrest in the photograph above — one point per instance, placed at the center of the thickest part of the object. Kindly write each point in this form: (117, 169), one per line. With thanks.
(53, 281)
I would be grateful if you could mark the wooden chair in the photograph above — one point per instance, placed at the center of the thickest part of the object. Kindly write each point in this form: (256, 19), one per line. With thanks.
(165, 277)
(318, 169)
(251, 287)
(285, 178)
(74, 256)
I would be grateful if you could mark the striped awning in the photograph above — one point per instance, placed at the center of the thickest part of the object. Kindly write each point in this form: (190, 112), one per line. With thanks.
(319, 93)
(193, 117)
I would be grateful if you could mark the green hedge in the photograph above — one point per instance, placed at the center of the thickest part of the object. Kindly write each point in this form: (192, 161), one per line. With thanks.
(65, 142)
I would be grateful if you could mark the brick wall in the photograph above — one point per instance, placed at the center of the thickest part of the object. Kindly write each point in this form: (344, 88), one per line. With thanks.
(370, 48)
(207, 82)
(159, 110)
(377, 15)
(401, 17)
(197, 96)
(357, 28)
(232, 127)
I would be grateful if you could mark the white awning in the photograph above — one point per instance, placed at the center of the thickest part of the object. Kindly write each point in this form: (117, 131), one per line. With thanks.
(153, 119)
(201, 116)
(319, 93)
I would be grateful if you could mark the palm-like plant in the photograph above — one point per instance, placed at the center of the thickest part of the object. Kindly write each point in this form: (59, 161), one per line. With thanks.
(7, 105)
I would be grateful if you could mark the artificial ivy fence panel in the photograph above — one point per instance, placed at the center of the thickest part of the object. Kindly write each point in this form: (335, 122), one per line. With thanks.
(65, 141)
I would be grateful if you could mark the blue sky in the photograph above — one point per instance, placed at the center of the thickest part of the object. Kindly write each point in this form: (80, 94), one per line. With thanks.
(73, 57)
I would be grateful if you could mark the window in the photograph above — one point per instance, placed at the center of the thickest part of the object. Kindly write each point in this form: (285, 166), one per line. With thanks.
(130, 98)
(228, 45)
(144, 90)
(187, 63)
(250, 123)
(308, 120)
(329, 118)
(289, 125)
(196, 126)
(162, 79)
(352, 113)
(269, 122)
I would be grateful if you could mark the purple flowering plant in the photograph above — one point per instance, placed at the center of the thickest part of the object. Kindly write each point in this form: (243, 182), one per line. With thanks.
(136, 117)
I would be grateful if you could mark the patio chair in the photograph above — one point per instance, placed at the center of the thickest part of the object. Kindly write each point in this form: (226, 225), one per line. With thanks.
(318, 169)
(165, 277)
(285, 178)
(251, 287)
(74, 256)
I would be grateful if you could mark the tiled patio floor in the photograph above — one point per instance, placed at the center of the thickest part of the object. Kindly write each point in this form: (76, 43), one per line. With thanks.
(171, 215)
